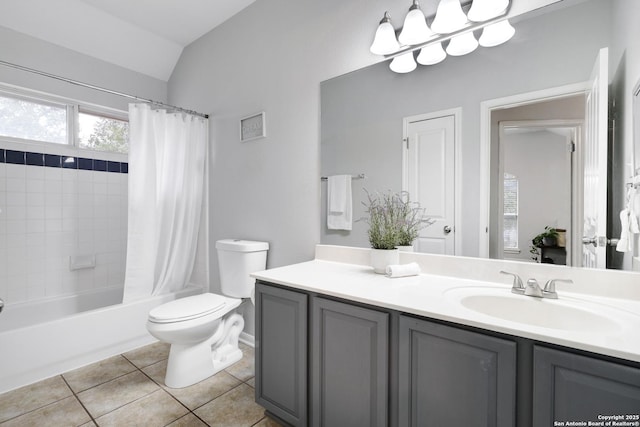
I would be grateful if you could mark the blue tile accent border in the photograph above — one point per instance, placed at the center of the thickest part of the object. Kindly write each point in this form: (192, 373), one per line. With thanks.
(56, 161)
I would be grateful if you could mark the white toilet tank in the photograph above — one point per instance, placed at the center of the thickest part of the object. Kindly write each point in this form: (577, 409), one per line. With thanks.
(236, 260)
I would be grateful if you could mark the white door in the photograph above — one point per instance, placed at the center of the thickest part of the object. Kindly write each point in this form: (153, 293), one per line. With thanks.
(595, 166)
(428, 176)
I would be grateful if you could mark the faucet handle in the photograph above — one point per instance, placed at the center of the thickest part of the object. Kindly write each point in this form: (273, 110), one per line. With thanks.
(549, 290)
(518, 287)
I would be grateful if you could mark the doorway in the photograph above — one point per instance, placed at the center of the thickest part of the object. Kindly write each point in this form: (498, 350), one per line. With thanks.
(538, 189)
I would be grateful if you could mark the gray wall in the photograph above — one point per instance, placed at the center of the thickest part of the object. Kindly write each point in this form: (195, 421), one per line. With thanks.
(362, 112)
(539, 160)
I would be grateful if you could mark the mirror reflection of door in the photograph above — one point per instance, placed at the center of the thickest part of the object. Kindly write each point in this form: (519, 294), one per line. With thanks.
(428, 175)
(537, 189)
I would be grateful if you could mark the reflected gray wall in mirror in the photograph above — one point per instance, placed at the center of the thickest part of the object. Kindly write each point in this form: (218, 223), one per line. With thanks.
(362, 112)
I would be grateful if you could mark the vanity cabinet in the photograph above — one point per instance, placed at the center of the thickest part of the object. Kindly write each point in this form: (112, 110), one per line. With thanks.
(572, 387)
(349, 365)
(281, 353)
(321, 361)
(451, 376)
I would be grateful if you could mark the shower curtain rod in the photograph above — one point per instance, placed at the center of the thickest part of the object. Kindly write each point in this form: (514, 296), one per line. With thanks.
(101, 89)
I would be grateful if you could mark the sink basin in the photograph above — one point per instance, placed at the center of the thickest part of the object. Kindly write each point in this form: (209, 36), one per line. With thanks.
(566, 313)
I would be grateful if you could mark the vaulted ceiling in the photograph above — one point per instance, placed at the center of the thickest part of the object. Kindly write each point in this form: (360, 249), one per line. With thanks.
(146, 36)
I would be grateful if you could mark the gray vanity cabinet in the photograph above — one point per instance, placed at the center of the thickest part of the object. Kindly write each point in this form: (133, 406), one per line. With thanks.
(572, 387)
(454, 377)
(349, 365)
(281, 353)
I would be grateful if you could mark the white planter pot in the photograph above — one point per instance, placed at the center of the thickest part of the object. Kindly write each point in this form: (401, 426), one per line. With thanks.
(380, 258)
(408, 248)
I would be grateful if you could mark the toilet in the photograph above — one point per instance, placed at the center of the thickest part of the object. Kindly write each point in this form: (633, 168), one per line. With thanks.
(203, 329)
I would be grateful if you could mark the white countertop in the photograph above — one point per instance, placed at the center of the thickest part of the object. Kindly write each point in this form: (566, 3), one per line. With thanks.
(430, 296)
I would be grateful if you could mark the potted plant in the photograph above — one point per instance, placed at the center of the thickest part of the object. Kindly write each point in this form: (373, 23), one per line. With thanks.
(412, 221)
(384, 229)
(393, 221)
(547, 238)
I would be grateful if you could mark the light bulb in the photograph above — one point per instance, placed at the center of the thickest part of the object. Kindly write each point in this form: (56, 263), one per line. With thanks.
(432, 54)
(496, 34)
(415, 29)
(462, 44)
(385, 42)
(449, 17)
(403, 63)
(483, 10)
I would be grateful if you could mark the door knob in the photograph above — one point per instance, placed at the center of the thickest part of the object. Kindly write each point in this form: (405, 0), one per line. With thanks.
(446, 229)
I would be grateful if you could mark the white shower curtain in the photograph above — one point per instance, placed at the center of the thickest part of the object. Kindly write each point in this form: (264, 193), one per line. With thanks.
(167, 154)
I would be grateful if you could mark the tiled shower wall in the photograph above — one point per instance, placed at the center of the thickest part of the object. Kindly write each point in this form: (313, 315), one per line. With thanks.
(55, 207)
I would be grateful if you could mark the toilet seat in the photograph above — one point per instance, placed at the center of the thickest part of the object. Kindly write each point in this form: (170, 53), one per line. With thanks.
(188, 308)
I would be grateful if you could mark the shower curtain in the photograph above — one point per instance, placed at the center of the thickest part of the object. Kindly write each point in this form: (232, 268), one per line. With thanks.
(167, 154)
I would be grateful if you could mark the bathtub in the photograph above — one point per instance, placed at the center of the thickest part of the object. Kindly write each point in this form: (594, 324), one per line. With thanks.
(44, 339)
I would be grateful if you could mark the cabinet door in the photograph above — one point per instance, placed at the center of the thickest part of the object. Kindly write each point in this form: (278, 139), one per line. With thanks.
(349, 382)
(453, 377)
(281, 353)
(570, 387)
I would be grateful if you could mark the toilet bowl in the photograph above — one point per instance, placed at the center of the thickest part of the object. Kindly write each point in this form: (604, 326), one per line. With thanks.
(203, 330)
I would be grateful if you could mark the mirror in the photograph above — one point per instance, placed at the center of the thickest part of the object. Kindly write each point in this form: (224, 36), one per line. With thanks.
(362, 113)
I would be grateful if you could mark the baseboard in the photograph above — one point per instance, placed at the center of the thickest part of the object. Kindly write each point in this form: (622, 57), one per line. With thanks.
(247, 339)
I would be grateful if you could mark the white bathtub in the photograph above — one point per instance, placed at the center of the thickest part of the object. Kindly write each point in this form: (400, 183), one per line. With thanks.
(52, 344)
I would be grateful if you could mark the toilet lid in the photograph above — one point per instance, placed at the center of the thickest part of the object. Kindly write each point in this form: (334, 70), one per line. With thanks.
(187, 308)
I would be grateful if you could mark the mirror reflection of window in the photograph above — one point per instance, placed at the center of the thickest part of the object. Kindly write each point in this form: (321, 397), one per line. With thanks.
(510, 209)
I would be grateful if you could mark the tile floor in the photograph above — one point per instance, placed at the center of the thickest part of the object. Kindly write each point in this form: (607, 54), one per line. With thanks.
(128, 390)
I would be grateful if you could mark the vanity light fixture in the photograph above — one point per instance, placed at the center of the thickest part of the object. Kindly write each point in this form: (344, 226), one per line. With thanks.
(450, 24)
(449, 17)
(462, 44)
(483, 10)
(415, 30)
(431, 54)
(496, 34)
(403, 64)
(385, 42)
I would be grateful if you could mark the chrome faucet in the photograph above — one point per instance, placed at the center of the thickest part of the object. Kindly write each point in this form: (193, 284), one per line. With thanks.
(533, 289)
(517, 287)
(1, 305)
(549, 290)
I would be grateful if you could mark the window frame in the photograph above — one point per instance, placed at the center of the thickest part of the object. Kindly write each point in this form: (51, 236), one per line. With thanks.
(515, 215)
(74, 108)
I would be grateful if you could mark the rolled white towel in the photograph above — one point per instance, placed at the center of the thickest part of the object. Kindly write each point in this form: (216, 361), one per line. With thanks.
(403, 270)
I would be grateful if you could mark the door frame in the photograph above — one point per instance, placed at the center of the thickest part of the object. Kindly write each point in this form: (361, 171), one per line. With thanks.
(457, 176)
(486, 108)
(574, 167)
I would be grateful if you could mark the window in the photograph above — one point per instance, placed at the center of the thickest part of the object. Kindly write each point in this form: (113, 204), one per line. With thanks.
(97, 132)
(36, 121)
(510, 207)
(46, 119)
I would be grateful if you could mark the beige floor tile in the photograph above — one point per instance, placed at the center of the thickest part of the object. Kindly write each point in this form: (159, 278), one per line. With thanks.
(149, 354)
(198, 394)
(268, 422)
(188, 420)
(31, 397)
(155, 409)
(233, 409)
(244, 368)
(65, 412)
(98, 373)
(251, 382)
(116, 393)
(157, 371)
